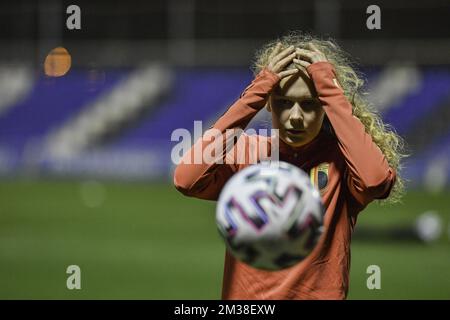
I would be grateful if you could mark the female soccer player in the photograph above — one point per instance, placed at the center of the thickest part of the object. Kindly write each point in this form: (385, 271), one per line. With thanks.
(325, 128)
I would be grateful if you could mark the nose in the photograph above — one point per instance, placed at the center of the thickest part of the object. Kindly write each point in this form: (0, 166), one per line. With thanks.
(296, 116)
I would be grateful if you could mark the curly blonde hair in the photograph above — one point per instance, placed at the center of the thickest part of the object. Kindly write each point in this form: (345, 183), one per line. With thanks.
(384, 135)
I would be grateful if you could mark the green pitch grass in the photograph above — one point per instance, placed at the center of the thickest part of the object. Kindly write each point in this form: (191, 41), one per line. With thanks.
(149, 242)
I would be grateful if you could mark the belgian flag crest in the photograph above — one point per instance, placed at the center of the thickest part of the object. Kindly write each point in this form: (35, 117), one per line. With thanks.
(319, 177)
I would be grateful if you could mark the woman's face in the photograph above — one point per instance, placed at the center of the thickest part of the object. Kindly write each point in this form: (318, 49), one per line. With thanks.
(296, 111)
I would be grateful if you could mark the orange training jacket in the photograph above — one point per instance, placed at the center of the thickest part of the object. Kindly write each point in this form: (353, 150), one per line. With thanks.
(346, 166)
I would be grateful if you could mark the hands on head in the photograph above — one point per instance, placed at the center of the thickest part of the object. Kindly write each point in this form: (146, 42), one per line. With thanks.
(302, 58)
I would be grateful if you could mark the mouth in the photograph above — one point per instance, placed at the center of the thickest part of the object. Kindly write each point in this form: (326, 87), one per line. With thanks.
(295, 131)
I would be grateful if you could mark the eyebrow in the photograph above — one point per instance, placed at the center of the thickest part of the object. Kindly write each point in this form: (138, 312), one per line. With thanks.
(294, 98)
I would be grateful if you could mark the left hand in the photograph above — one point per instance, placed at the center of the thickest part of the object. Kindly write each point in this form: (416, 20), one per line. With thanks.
(306, 57)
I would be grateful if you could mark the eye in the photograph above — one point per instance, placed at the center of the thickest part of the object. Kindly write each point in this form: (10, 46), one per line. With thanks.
(310, 104)
(284, 102)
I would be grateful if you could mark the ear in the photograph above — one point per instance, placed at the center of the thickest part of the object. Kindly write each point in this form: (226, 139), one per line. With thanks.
(269, 104)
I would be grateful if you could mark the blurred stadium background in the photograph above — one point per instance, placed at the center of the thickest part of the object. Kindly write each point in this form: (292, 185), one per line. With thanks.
(85, 169)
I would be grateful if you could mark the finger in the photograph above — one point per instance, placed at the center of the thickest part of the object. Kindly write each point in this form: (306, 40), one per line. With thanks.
(284, 53)
(303, 63)
(284, 62)
(313, 47)
(317, 51)
(287, 73)
(275, 51)
(304, 50)
(305, 54)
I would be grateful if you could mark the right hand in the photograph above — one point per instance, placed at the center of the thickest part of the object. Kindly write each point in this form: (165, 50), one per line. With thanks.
(279, 60)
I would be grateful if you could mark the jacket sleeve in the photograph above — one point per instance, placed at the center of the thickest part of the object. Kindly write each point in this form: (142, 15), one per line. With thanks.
(368, 174)
(205, 180)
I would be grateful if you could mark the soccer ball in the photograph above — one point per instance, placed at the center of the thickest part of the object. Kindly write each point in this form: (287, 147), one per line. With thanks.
(270, 215)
